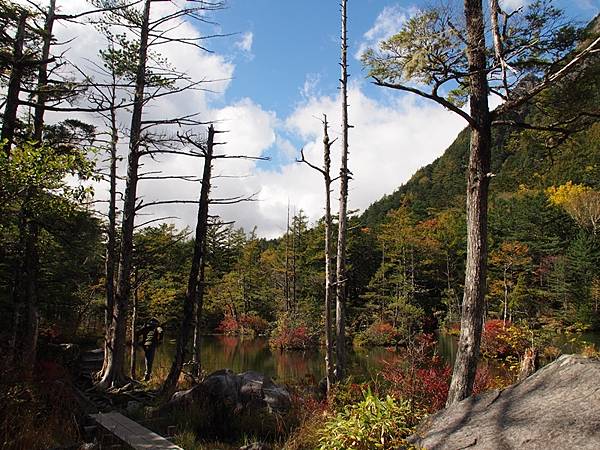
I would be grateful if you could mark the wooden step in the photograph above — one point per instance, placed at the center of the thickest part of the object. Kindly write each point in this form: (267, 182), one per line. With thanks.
(132, 433)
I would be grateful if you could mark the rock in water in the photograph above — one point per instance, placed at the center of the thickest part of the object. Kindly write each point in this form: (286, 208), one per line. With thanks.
(557, 407)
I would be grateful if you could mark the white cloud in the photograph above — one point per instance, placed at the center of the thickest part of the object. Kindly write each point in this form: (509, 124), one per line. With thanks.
(391, 139)
(245, 42)
(511, 5)
(388, 22)
(388, 144)
(310, 87)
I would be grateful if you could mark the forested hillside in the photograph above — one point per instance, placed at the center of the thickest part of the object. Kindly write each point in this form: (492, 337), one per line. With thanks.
(536, 160)
(543, 206)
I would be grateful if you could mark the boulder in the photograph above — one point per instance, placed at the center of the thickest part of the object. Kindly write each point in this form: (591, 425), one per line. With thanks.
(223, 389)
(557, 407)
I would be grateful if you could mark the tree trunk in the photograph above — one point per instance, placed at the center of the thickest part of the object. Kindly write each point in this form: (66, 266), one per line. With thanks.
(340, 309)
(329, 275)
(31, 266)
(111, 245)
(197, 358)
(170, 383)
(42, 84)
(294, 300)
(287, 262)
(113, 373)
(463, 376)
(133, 355)
(9, 120)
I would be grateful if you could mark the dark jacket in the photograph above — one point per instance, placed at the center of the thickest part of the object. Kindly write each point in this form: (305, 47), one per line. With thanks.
(150, 335)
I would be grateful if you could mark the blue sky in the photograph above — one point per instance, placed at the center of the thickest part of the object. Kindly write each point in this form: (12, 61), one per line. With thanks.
(280, 75)
(296, 41)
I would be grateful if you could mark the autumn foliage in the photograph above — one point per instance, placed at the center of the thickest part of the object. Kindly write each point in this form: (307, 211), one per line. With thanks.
(246, 324)
(293, 334)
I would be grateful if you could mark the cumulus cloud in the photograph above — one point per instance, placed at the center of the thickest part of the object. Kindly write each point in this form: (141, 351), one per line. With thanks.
(392, 138)
(388, 22)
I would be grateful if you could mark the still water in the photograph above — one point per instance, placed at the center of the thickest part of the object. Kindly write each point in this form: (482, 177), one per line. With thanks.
(242, 354)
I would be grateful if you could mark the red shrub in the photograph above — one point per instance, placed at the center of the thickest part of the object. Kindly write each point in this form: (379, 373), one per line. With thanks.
(228, 326)
(424, 378)
(494, 341)
(254, 323)
(292, 337)
(245, 324)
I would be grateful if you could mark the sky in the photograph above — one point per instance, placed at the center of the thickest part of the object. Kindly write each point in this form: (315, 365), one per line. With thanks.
(277, 74)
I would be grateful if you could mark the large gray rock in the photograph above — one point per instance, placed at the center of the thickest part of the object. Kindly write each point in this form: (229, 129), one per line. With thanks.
(557, 407)
(226, 391)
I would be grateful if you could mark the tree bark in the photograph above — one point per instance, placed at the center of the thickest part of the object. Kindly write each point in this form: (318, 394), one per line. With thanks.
(115, 357)
(329, 275)
(197, 358)
(287, 262)
(9, 120)
(340, 309)
(133, 355)
(170, 383)
(111, 245)
(42, 84)
(463, 376)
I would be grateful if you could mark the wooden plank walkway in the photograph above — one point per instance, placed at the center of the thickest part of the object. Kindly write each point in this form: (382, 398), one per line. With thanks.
(132, 433)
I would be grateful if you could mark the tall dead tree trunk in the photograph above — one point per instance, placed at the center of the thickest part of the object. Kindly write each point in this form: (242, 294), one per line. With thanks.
(341, 292)
(170, 383)
(329, 257)
(9, 120)
(113, 373)
(467, 356)
(287, 262)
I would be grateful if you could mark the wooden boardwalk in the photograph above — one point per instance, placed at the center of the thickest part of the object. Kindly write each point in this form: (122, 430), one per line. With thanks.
(132, 433)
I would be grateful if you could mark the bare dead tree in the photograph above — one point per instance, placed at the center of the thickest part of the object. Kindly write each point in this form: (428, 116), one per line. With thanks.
(329, 255)
(195, 286)
(341, 286)
(151, 83)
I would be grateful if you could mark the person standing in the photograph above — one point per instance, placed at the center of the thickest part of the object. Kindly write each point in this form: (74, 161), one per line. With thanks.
(149, 337)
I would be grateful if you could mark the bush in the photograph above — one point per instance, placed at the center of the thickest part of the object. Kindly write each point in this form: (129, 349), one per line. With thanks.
(423, 378)
(228, 326)
(420, 375)
(40, 413)
(292, 333)
(501, 341)
(371, 423)
(246, 324)
(378, 334)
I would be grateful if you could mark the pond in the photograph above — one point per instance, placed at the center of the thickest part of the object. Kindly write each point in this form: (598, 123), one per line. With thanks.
(242, 354)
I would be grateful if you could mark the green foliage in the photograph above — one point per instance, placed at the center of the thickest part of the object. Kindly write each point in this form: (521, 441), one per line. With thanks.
(371, 423)
(44, 186)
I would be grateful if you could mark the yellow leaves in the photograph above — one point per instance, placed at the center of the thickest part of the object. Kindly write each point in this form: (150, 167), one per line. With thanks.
(581, 202)
(565, 193)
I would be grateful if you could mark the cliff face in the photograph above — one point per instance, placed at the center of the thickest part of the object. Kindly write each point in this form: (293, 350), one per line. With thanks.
(555, 408)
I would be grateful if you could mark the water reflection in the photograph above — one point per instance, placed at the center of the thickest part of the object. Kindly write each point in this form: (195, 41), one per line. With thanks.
(242, 354)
